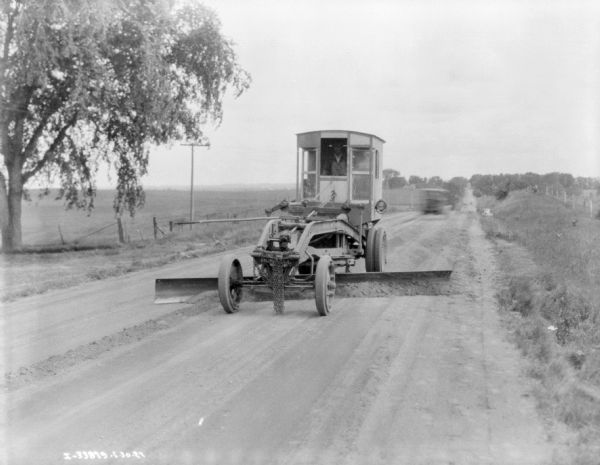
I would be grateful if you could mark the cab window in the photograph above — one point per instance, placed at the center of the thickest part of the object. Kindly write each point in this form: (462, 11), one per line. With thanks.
(361, 168)
(334, 157)
(309, 174)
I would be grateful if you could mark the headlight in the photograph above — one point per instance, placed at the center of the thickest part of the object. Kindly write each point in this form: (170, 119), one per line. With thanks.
(380, 206)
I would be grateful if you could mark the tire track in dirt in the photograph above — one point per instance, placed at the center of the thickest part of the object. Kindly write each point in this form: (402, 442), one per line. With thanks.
(334, 423)
(169, 369)
(463, 401)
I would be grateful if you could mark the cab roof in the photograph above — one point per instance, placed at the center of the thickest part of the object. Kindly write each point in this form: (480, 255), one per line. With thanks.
(324, 133)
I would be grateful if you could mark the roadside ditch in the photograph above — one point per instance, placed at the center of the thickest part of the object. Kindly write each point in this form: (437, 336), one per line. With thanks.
(552, 316)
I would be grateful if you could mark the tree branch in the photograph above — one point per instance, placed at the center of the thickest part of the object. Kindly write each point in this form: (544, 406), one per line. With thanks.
(4, 141)
(8, 36)
(50, 153)
(2, 182)
(38, 131)
(3, 201)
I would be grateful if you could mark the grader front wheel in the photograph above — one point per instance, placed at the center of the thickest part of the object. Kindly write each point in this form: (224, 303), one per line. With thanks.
(230, 283)
(324, 285)
(376, 250)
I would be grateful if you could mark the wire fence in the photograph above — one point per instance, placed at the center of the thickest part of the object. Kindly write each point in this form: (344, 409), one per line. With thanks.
(585, 201)
(47, 224)
(167, 225)
(60, 232)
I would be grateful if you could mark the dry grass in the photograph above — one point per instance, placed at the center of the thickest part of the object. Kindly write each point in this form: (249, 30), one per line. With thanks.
(35, 273)
(44, 219)
(556, 310)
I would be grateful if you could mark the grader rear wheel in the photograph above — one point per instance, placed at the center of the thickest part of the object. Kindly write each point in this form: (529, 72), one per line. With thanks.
(230, 283)
(376, 250)
(324, 285)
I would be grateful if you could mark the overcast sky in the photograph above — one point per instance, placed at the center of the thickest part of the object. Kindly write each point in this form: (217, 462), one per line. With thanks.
(453, 87)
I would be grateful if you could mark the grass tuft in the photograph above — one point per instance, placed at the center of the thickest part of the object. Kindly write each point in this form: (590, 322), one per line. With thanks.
(533, 339)
(518, 296)
(565, 310)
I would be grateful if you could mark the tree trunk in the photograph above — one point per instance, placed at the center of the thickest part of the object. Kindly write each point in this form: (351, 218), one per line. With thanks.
(11, 203)
(3, 207)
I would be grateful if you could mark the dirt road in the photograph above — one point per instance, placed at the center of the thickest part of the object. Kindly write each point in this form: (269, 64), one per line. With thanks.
(402, 380)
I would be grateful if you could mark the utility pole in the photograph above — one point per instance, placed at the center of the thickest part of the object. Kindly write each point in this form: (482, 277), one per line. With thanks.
(192, 145)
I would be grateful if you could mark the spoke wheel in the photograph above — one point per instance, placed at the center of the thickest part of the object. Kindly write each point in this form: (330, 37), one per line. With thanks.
(230, 283)
(324, 285)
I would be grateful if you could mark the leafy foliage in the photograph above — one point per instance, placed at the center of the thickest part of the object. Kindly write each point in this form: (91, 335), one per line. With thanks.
(500, 185)
(417, 181)
(86, 83)
(388, 175)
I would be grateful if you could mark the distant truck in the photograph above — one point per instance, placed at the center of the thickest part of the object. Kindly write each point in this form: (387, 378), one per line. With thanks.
(434, 200)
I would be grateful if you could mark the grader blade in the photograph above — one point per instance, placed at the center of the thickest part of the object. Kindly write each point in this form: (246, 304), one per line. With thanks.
(396, 283)
(180, 290)
(384, 284)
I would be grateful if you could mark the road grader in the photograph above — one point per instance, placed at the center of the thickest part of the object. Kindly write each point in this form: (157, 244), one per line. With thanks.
(309, 248)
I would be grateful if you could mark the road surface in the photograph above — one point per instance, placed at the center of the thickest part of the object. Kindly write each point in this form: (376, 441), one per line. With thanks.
(98, 371)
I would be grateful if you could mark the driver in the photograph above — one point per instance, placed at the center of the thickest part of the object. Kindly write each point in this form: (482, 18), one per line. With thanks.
(338, 163)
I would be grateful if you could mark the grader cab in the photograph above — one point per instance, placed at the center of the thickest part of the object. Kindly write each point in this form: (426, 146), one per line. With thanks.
(309, 249)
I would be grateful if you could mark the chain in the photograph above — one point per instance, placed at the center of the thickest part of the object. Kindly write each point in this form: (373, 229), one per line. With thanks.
(278, 283)
(276, 271)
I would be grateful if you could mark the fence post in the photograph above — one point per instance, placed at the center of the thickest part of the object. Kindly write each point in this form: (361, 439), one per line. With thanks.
(62, 239)
(154, 227)
(120, 229)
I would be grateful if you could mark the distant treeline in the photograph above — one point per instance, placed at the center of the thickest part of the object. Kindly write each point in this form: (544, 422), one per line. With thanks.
(498, 185)
(551, 183)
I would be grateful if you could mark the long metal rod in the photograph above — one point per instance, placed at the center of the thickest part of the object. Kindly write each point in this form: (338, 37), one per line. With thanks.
(225, 220)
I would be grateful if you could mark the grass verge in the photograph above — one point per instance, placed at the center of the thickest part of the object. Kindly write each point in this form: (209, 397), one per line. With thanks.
(39, 270)
(550, 257)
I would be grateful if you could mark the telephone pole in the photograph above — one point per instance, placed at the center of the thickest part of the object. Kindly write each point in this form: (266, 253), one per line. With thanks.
(192, 145)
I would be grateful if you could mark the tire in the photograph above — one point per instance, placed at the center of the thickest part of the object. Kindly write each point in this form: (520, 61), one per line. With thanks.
(368, 253)
(230, 283)
(376, 250)
(324, 285)
(380, 258)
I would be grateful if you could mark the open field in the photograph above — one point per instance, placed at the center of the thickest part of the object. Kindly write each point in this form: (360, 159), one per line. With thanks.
(550, 257)
(45, 219)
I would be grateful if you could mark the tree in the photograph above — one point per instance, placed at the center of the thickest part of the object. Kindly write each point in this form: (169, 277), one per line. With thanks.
(416, 180)
(456, 189)
(483, 184)
(388, 174)
(435, 181)
(397, 182)
(86, 83)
